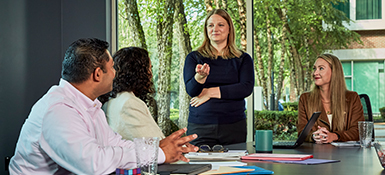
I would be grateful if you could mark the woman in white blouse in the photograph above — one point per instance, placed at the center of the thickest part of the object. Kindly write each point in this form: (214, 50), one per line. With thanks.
(125, 106)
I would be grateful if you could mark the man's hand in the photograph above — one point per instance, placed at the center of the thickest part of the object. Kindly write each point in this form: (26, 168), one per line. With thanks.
(174, 145)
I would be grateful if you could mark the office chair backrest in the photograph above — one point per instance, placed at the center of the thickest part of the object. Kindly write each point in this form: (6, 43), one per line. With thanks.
(367, 107)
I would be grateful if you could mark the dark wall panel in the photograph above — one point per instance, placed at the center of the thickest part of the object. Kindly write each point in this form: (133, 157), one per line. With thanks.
(34, 35)
(83, 19)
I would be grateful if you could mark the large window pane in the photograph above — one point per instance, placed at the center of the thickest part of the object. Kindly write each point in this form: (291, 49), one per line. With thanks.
(347, 68)
(368, 9)
(344, 7)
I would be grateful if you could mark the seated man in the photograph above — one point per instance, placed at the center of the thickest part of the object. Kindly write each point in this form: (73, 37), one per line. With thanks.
(67, 132)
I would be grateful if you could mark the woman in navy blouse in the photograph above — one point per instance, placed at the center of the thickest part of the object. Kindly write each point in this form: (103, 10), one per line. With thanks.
(218, 76)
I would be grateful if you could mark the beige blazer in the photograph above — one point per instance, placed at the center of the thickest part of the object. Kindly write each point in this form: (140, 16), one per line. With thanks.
(129, 116)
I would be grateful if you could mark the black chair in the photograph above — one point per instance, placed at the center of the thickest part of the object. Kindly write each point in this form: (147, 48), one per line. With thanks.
(6, 162)
(367, 107)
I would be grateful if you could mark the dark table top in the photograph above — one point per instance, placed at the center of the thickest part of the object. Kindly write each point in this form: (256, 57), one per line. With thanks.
(353, 160)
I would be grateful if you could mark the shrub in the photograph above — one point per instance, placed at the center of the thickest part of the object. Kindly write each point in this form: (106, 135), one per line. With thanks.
(174, 115)
(282, 123)
(382, 111)
(290, 106)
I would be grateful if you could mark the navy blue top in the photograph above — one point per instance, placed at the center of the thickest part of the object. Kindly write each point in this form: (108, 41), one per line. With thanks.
(235, 78)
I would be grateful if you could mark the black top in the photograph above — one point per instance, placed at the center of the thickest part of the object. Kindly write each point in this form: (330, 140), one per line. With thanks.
(235, 78)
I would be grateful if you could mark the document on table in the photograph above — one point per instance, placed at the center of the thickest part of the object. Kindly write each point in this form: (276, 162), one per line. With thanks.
(230, 155)
(241, 170)
(346, 144)
(306, 162)
(264, 156)
(215, 165)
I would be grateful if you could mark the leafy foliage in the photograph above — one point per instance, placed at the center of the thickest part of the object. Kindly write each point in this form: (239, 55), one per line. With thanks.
(290, 106)
(382, 112)
(317, 20)
(282, 123)
(314, 27)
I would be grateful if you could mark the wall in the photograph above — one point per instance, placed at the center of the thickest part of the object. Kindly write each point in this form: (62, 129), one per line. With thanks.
(34, 35)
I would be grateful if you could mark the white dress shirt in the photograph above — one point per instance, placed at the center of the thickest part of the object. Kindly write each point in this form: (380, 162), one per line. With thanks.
(67, 133)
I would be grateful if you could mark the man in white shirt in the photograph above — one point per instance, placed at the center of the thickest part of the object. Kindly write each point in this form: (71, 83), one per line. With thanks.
(67, 132)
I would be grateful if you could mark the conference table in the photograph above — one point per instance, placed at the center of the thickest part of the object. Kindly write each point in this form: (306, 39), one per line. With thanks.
(353, 160)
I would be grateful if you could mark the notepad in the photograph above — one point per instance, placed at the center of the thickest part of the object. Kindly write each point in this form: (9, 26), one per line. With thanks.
(346, 144)
(216, 164)
(227, 170)
(189, 169)
(306, 162)
(254, 170)
(263, 156)
(230, 155)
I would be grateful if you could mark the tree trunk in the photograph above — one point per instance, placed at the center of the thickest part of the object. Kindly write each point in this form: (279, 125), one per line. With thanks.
(295, 60)
(282, 61)
(184, 49)
(209, 6)
(135, 27)
(298, 69)
(270, 64)
(307, 65)
(165, 55)
(261, 68)
(242, 18)
(217, 4)
(224, 5)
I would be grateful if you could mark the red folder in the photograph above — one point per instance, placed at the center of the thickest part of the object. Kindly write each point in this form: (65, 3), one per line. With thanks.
(266, 156)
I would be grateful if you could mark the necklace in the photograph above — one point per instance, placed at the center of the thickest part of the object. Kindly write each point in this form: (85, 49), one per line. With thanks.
(326, 102)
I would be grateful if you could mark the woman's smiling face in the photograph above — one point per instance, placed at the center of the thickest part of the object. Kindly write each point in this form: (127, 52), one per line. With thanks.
(322, 72)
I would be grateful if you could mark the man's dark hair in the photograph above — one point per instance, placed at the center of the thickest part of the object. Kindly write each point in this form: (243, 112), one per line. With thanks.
(82, 58)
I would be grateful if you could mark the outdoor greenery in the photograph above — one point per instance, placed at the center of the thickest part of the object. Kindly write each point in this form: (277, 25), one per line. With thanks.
(288, 34)
(382, 112)
(290, 106)
(282, 123)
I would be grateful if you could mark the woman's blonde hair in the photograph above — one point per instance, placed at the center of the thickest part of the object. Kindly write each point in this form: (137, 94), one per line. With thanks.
(231, 50)
(337, 89)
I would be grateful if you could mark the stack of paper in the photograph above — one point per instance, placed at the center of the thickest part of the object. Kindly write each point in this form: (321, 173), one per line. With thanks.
(239, 170)
(264, 156)
(346, 144)
(216, 164)
(230, 155)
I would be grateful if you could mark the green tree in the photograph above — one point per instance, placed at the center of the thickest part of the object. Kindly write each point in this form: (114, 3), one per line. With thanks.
(164, 39)
(302, 29)
(184, 49)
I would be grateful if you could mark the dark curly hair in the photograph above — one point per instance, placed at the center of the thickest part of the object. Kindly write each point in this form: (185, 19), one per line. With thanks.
(133, 73)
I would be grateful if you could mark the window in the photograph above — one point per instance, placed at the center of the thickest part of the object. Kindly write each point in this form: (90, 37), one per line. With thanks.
(368, 9)
(344, 7)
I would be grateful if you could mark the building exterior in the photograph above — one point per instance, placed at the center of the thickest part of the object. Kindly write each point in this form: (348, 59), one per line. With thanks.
(364, 64)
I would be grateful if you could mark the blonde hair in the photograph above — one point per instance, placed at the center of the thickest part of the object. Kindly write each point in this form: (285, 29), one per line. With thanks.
(231, 50)
(337, 89)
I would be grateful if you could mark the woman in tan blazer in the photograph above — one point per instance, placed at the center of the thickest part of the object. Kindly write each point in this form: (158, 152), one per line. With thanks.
(125, 106)
(340, 108)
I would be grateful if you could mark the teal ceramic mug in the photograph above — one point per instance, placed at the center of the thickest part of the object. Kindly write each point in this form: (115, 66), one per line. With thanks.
(263, 141)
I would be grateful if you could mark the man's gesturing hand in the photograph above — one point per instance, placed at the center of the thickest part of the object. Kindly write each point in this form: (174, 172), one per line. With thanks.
(174, 145)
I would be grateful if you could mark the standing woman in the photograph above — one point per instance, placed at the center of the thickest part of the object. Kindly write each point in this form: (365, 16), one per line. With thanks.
(340, 108)
(218, 76)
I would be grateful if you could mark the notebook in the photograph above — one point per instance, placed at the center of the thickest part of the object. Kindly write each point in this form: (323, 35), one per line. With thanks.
(380, 153)
(166, 169)
(302, 136)
(277, 157)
